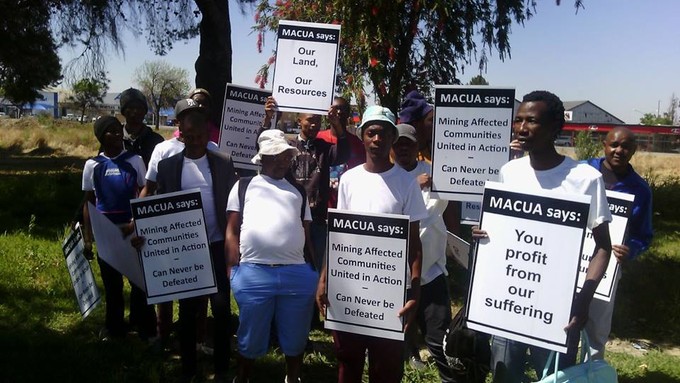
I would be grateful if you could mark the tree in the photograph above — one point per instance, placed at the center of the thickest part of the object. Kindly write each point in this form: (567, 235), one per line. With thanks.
(87, 93)
(28, 56)
(672, 111)
(162, 84)
(585, 147)
(397, 46)
(669, 117)
(478, 80)
(653, 119)
(97, 26)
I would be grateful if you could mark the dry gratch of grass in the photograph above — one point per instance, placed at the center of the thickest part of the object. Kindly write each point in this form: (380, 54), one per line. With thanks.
(33, 136)
(650, 165)
(661, 165)
(47, 136)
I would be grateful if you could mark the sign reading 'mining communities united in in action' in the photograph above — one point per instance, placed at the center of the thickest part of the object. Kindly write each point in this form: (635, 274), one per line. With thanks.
(367, 264)
(524, 274)
(176, 260)
(471, 137)
(242, 117)
(306, 60)
(621, 207)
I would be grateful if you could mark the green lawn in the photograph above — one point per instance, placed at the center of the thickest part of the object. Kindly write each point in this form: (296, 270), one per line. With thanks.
(43, 338)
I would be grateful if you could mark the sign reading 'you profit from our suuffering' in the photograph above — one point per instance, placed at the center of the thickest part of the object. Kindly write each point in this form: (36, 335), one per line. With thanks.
(524, 274)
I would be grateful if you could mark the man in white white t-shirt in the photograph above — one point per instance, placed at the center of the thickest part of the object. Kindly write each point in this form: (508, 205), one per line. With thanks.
(378, 186)
(161, 151)
(165, 149)
(213, 174)
(272, 277)
(538, 121)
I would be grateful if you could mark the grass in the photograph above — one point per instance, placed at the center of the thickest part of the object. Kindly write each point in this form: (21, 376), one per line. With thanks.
(39, 321)
(40, 324)
(44, 135)
(653, 367)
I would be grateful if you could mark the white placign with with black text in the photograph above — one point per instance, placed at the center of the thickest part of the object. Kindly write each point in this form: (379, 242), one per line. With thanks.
(621, 207)
(176, 260)
(524, 274)
(82, 278)
(367, 263)
(470, 140)
(306, 61)
(242, 117)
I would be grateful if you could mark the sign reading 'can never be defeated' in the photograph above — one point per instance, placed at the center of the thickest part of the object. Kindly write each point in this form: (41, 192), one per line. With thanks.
(242, 117)
(176, 260)
(471, 137)
(367, 264)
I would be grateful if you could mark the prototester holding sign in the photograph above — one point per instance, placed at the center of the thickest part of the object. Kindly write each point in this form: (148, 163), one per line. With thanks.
(213, 174)
(538, 121)
(378, 186)
(619, 147)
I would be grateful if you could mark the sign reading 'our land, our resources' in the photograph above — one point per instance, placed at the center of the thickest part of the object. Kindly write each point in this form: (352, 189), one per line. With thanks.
(306, 60)
(176, 260)
(524, 274)
(242, 117)
(367, 264)
(471, 137)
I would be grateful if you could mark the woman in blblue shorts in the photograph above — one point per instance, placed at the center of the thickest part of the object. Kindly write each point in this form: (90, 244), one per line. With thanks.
(272, 278)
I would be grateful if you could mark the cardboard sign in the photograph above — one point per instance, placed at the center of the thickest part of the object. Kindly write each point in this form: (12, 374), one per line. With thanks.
(458, 249)
(621, 208)
(367, 258)
(524, 274)
(306, 61)
(82, 279)
(471, 136)
(470, 212)
(176, 260)
(242, 117)
(114, 249)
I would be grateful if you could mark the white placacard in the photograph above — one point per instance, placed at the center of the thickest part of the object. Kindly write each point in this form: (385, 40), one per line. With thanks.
(470, 212)
(621, 207)
(524, 274)
(367, 273)
(306, 61)
(470, 140)
(82, 279)
(242, 117)
(114, 249)
(458, 249)
(175, 257)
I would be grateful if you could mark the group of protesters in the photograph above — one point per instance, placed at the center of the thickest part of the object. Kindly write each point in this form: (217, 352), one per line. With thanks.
(268, 230)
